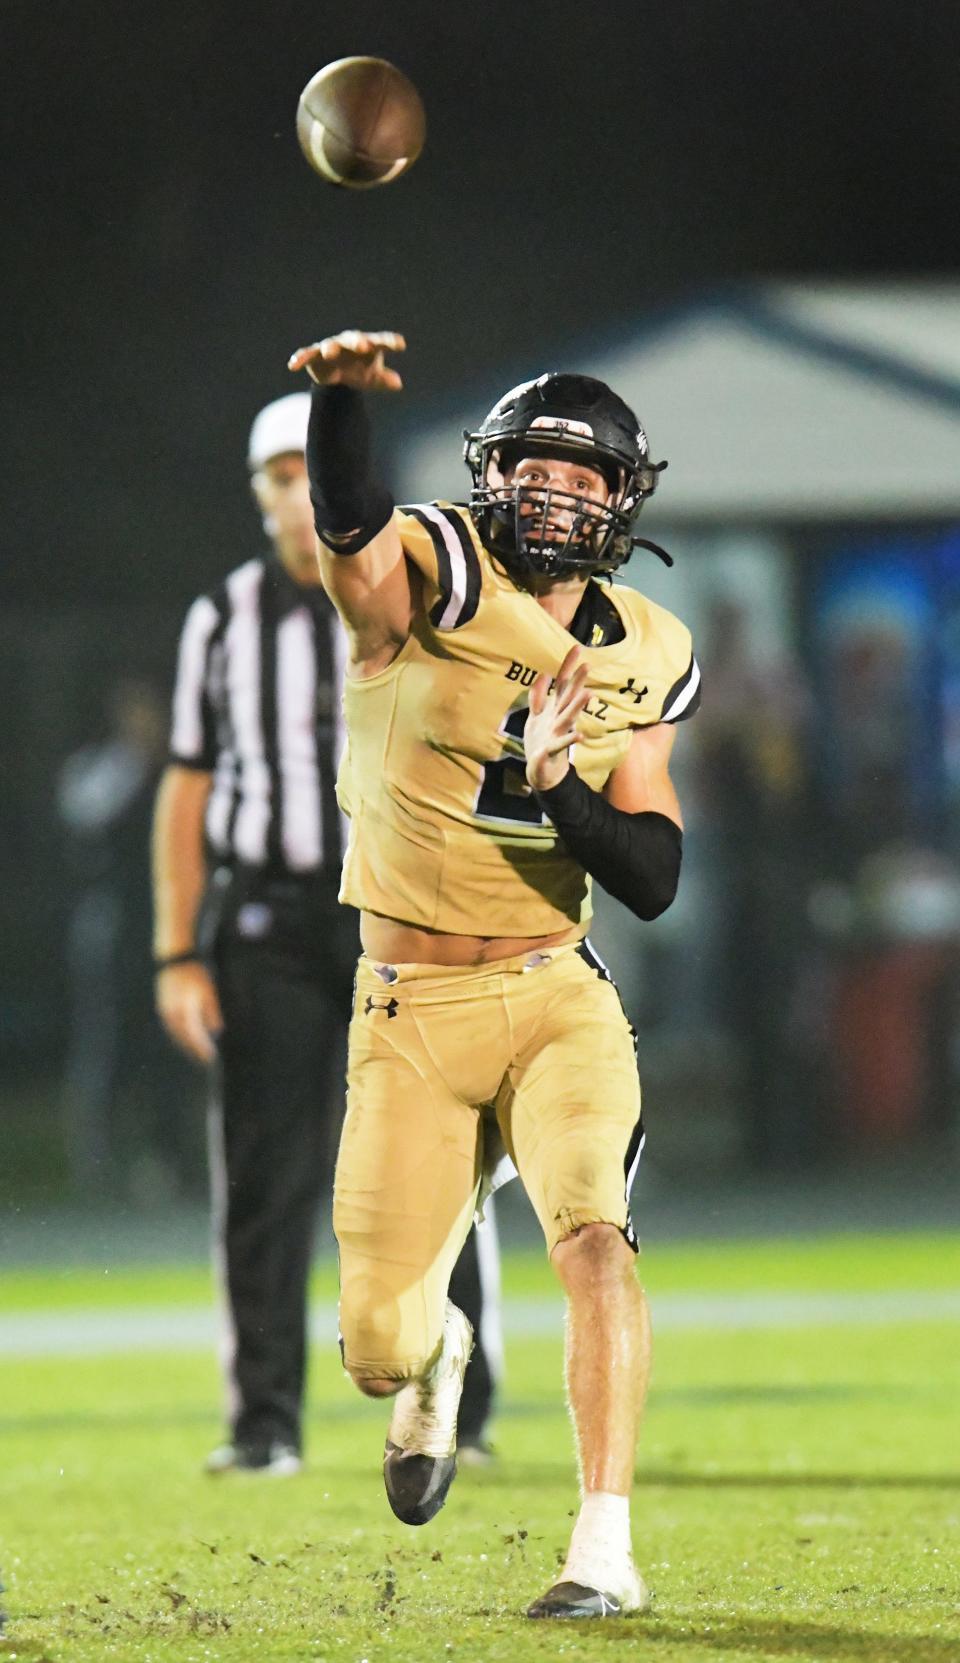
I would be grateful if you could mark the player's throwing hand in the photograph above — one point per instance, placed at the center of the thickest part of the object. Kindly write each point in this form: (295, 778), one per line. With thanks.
(551, 726)
(354, 358)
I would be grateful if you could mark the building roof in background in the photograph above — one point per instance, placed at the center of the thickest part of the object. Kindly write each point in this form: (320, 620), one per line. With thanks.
(773, 401)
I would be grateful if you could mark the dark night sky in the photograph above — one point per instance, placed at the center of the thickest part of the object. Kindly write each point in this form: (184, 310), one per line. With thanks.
(167, 246)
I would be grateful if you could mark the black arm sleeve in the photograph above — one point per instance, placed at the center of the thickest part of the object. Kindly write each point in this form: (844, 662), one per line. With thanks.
(636, 857)
(350, 505)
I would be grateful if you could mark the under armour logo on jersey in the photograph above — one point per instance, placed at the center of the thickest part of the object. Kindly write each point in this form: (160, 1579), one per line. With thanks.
(638, 693)
(391, 1006)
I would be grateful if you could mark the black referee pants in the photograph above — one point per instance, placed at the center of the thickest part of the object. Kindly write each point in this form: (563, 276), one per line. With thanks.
(284, 951)
(279, 1093)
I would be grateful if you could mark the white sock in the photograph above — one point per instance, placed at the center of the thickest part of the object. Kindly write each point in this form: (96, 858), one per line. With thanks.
(601, 1554)
(602, 1530)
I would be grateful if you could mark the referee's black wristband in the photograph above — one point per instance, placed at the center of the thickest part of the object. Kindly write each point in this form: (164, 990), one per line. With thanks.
(168, 960)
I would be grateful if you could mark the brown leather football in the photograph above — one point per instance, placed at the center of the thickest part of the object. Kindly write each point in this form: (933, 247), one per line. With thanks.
(360, 122)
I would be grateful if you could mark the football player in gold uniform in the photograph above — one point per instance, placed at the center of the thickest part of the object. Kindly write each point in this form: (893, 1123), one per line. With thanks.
(510, 724)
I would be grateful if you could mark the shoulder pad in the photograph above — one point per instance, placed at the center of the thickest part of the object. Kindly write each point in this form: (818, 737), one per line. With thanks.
(671, 640)
(438, 538)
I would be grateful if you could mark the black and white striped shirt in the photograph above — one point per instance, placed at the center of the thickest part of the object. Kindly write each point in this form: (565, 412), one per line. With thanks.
(257, 704)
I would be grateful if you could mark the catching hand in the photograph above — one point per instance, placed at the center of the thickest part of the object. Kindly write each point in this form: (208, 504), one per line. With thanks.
(551, 726)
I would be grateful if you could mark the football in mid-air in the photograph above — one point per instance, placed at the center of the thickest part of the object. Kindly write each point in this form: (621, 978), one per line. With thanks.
(360, 122)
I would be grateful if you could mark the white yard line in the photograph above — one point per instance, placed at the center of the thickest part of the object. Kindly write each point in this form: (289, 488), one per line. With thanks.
(194, 1327)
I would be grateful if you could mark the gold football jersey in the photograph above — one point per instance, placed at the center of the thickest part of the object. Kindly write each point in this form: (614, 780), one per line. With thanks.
(445, 832)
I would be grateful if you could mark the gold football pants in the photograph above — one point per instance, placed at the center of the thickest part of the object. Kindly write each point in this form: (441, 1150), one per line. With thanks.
(446, 1067)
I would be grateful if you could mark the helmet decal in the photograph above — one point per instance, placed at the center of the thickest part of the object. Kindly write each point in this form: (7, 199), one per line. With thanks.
(563, 424)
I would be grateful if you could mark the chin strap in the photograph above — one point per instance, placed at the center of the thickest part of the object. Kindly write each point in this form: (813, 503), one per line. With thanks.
(644, 543)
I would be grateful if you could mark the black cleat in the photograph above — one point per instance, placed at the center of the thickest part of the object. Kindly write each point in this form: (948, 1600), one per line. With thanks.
(572, 1599)
(420, 1459)
(416, 1485)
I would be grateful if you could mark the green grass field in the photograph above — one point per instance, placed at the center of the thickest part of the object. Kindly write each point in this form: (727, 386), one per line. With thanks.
(798, 1487)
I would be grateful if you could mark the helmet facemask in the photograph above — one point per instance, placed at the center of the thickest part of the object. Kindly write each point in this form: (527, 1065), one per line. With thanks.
(546, 530)
(542, 529)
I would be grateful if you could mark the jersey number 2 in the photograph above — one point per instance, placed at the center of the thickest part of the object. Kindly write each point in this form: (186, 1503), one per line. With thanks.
(504, 793)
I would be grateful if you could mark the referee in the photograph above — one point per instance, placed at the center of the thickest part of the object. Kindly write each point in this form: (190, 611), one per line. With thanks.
(253, 952)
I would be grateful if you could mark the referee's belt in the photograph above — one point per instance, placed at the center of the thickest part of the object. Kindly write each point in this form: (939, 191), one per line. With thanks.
(240, 885)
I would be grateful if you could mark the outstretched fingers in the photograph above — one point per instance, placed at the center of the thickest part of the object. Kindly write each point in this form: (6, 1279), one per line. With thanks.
(353, 358)
(371, 340)
(552, 725)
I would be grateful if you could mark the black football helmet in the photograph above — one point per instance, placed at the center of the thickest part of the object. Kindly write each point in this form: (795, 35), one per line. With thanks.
(537, 529)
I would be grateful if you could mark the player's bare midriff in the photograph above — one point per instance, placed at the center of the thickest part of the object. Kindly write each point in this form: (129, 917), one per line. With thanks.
(390, 941)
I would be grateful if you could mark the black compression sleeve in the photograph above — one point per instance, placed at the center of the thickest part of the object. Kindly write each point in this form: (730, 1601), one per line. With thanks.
(350, 505)
(636, 857)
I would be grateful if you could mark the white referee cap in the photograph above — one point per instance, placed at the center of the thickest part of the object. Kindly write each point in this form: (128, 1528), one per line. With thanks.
(279, 428)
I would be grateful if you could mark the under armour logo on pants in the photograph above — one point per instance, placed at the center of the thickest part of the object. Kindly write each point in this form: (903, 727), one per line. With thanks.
(391, 1006)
